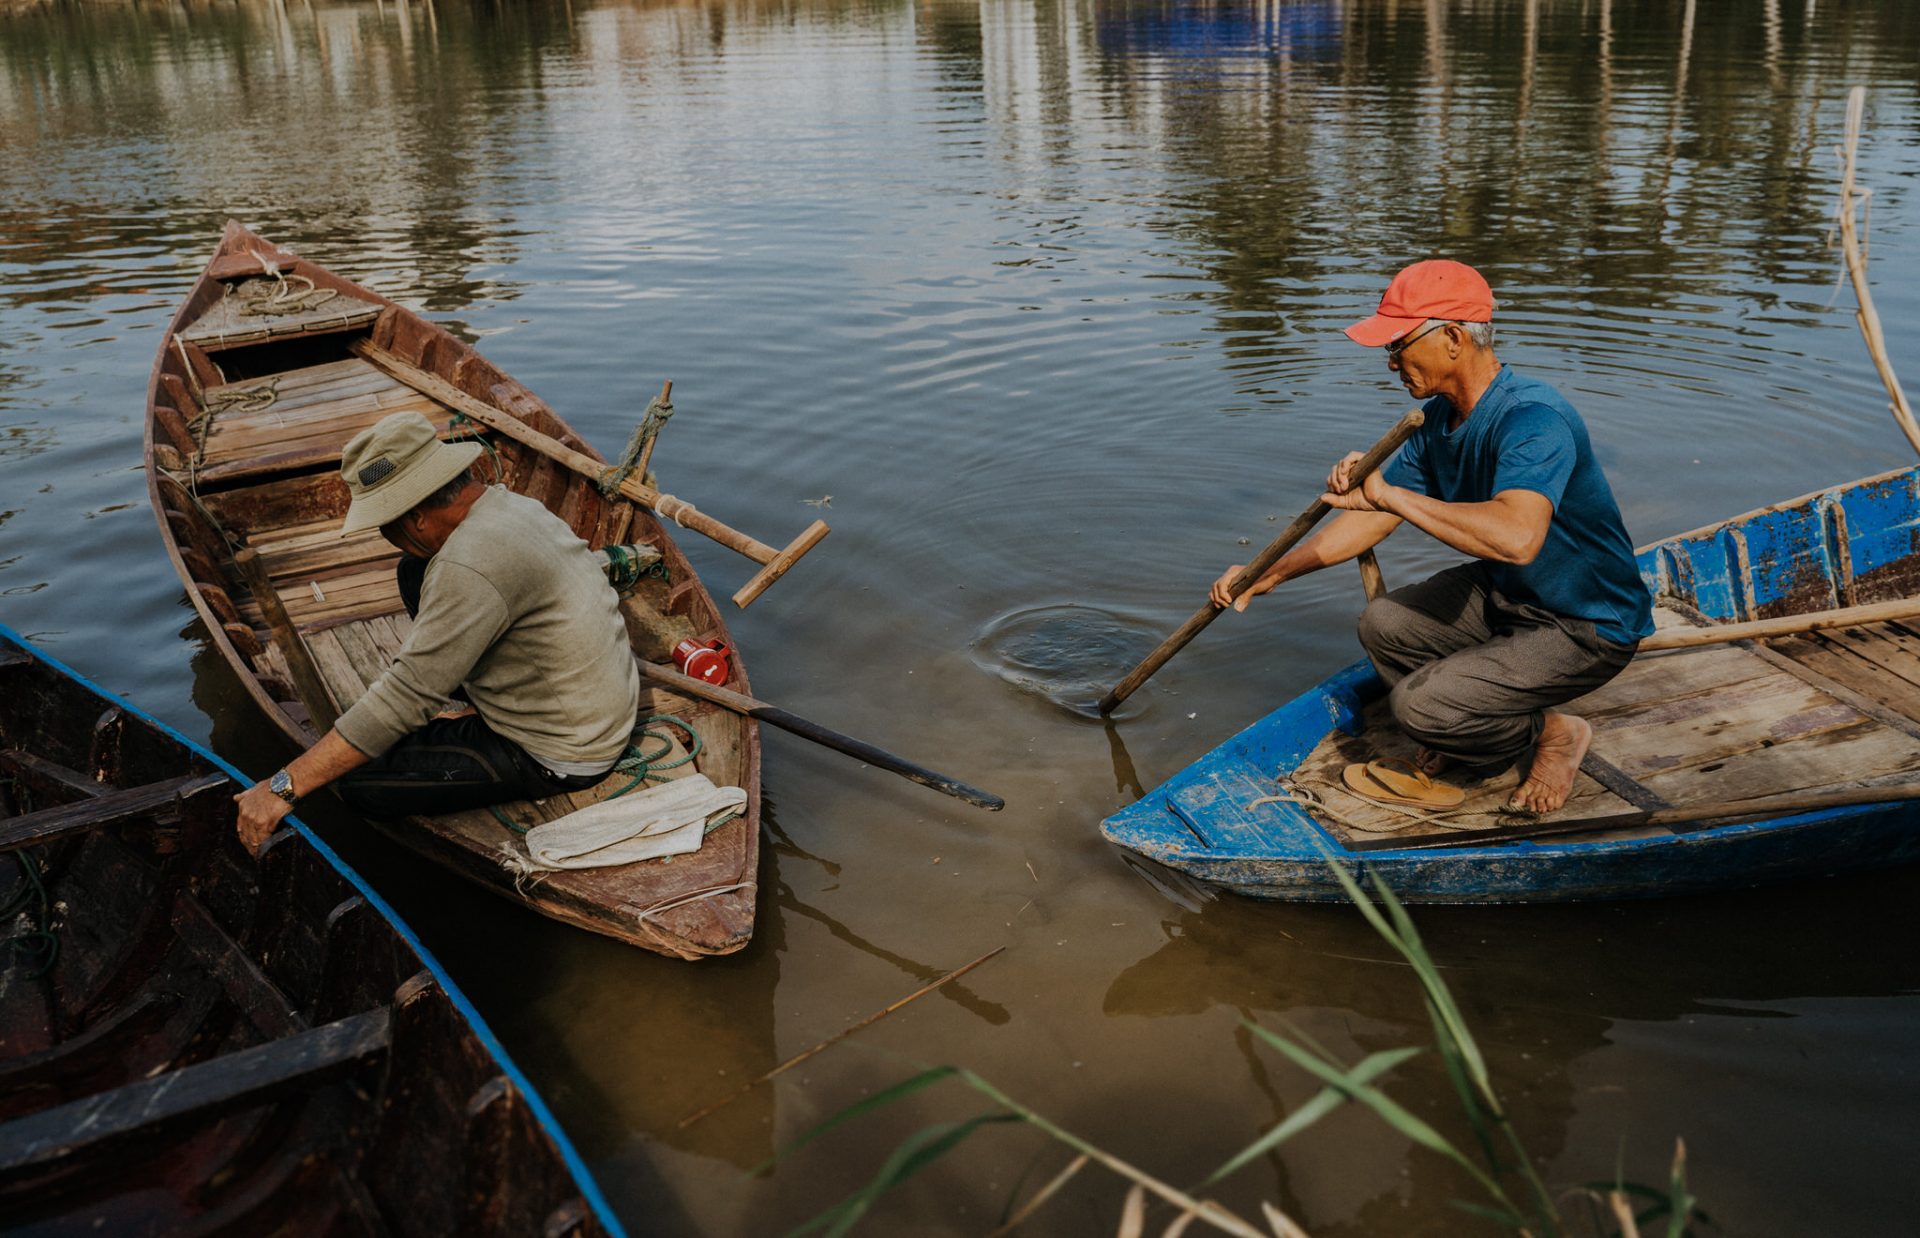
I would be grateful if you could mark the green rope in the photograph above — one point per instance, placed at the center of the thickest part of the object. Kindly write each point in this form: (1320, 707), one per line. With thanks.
(36, 947)
(651, 424)
(469, 429)
(628, 565)
(640, 765)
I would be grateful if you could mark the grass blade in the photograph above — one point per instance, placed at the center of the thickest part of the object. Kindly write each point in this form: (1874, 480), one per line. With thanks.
(1323, 1103)
(1680, 1200)
(1388, 1109)
(919, 1150)
(878, 1100)
(1133, 1213)
(1283, 1226)
(1041, 1196)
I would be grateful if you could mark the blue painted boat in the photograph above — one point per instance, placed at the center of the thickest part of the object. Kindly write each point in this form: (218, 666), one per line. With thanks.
(196, 1040)
(1832, 714)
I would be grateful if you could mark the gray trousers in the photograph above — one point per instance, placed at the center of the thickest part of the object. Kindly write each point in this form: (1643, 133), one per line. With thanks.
(1473, 671)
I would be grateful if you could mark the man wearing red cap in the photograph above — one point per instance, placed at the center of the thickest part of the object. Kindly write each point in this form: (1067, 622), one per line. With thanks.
(1551, 605)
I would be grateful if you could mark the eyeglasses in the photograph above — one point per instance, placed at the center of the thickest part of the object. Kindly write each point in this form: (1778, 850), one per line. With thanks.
(1399, 346)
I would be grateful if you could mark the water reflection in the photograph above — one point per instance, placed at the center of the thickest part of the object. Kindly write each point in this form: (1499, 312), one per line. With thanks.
(1046, 294)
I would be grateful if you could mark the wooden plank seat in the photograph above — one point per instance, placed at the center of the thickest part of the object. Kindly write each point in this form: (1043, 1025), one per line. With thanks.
(233, 1081)
(113, 808)
(232, 320)
(306, 424)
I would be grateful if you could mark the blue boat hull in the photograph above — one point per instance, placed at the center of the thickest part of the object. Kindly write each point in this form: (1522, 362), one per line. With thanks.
(1853, 543)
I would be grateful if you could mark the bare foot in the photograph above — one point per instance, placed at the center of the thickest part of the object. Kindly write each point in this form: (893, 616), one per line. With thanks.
(1431, 763)
(1564, 740)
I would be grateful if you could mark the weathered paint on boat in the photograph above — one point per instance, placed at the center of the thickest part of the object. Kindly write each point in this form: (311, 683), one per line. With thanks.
(1853, 544)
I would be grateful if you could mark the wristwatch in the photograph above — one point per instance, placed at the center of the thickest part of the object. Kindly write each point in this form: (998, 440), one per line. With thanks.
(281, 784)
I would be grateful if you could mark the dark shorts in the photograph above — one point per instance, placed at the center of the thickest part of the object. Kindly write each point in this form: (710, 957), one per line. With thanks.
(450, 764)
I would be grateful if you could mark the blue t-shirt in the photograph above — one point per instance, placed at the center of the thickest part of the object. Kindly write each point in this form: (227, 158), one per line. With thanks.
(1523, 435)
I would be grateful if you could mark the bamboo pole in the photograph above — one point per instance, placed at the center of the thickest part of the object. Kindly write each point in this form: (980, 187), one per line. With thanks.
(1301, 526)
(1784, 625)
(684, 514)
(1786, 805)
(1855, 253)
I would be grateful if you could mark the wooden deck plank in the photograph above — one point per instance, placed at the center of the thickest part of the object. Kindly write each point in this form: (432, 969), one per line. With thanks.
(1851, 669)
(1700, 728)
(102, 811)
(335, 667)
(1823, 761)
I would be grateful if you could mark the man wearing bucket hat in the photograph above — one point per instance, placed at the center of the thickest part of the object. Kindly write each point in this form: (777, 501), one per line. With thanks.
(1551, 604)
(510, 609)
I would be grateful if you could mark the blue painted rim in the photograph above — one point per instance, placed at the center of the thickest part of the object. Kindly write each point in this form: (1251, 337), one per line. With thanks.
(582, 1176)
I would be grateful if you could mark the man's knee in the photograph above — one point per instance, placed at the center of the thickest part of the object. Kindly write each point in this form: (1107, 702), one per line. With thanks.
(1382, 625)
(1424, 708)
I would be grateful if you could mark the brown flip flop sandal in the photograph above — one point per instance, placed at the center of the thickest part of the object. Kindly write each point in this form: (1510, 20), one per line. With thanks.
(1395, 780)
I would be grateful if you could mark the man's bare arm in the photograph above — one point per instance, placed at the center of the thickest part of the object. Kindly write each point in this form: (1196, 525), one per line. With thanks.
(1508, 528)
(1345, 537)
(261, 810)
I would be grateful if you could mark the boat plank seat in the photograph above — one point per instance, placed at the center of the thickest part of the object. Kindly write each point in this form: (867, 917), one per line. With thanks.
(226, 323)
(308, 422)
(203, 1090)
(112, 808)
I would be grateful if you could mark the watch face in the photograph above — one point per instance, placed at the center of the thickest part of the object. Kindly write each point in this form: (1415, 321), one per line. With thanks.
(281, 784)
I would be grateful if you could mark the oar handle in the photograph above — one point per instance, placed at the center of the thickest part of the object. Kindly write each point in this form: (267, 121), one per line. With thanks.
(741, 703)
(1302, 525)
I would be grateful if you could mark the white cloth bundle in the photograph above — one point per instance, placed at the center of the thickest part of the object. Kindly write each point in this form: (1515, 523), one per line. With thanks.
(668, 818)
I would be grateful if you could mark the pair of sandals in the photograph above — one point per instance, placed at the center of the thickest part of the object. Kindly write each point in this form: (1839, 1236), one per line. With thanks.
(1398, 781)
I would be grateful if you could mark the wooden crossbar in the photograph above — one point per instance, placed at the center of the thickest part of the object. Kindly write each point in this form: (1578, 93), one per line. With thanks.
(113, 808)
(207, 1089)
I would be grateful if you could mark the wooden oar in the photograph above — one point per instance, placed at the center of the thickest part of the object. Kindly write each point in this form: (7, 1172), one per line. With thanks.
(680, 512)
(1254, 570)
(1763, 806)
(1784, 625)
(859, 749)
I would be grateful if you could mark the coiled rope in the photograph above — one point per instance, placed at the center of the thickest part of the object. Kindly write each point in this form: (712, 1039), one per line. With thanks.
(642, 766)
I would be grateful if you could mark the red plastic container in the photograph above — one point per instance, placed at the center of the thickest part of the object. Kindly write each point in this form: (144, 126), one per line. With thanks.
(705, 662)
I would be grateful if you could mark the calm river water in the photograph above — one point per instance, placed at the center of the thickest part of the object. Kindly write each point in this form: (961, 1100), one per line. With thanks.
(1037, 303)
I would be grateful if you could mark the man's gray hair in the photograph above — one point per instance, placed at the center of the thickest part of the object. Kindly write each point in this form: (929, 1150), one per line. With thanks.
(1481, 333)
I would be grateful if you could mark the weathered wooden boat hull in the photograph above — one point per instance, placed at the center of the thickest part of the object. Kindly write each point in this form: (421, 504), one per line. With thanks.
(267, 477)
(220, 1046)
(1827, 711)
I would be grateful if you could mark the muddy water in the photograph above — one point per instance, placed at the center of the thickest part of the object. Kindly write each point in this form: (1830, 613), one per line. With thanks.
(1038, 305)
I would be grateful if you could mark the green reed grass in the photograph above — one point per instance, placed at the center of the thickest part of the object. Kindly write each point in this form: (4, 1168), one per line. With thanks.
(1512, 1195)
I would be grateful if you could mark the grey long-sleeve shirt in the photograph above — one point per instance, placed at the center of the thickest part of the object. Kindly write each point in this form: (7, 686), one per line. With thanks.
(517, 609)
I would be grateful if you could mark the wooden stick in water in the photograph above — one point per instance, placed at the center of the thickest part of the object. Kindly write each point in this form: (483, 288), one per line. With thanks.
(830, 1041)
(1784, 625)
(1301, 526)
(1856, 262)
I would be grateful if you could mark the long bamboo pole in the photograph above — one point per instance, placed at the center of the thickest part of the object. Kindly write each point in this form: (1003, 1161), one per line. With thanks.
(1730, 810)
(1784, 625)
(1856, 259)
(776, 562)
(1302, 525)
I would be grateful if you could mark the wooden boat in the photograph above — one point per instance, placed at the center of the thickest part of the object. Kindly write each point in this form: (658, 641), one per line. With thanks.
(262, 378)
(1824, 716)
(195, 1042)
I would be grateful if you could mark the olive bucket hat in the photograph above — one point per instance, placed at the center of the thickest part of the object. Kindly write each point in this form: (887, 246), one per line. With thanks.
(395, 463)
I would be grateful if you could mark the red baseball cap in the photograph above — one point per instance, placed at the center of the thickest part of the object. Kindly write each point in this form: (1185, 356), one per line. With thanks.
(1436, 288)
